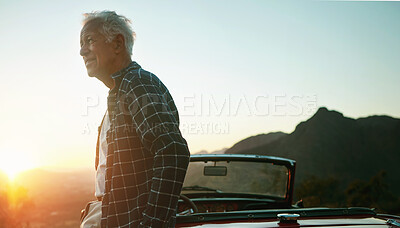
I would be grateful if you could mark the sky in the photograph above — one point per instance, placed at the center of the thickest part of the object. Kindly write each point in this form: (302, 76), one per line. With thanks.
(234, 68)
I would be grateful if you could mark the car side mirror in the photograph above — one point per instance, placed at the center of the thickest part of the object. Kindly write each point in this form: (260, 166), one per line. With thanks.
(215, 171)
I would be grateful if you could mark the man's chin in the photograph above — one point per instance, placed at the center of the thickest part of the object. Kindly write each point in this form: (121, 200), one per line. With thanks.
(91, 73)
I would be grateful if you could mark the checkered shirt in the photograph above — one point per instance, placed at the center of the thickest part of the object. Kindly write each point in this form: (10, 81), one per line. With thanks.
(147, 155)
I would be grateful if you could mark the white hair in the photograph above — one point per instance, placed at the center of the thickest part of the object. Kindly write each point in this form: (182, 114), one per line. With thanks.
(111, 24)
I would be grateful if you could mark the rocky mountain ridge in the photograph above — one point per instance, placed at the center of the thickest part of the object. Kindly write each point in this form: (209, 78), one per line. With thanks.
(332, 145)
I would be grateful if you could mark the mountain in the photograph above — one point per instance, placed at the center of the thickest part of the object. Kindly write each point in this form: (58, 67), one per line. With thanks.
(254, 141)
(332, 145)
(221, 151)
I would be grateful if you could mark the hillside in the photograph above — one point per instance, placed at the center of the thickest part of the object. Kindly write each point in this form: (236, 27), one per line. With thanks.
(332, 145)
(57, 197)
(254, 141)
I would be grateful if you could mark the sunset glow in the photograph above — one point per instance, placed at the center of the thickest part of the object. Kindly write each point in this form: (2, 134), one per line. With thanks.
(15, 163)
(245, 76)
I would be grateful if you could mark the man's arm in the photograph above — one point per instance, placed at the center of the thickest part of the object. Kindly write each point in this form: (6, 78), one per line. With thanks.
(159, 132)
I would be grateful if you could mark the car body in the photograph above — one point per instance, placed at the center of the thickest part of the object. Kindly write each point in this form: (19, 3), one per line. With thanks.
(232, 190)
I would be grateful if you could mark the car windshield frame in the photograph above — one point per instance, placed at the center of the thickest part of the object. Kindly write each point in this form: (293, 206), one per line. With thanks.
(288, 163)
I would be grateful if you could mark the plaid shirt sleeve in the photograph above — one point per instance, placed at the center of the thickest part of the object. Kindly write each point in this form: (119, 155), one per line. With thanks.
(149, 104)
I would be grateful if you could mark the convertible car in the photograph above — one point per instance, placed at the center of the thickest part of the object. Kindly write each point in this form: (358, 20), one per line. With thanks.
(229, 190)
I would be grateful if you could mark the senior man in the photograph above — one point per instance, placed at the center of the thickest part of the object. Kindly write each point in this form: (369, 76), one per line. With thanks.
(141, 156)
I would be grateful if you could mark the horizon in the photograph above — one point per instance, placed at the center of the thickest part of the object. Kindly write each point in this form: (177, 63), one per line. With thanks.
(90, 168)
(234, 68)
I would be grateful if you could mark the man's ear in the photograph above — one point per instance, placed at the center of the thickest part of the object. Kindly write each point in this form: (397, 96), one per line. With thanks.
(119, 43)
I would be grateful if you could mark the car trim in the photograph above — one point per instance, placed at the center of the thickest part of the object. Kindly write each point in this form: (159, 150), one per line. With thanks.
(272, 214)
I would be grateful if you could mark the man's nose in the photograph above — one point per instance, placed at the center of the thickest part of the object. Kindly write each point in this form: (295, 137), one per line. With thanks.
(84, 51)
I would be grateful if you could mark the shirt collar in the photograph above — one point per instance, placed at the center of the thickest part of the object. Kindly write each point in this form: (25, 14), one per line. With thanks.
(119, 75)
(122, 72)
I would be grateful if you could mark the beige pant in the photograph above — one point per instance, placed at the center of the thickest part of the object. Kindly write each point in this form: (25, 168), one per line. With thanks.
(93, 215)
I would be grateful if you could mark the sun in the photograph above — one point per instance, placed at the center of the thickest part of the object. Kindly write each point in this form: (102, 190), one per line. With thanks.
(14, 162)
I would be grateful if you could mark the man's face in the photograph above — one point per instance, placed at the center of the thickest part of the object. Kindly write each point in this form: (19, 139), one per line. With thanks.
(97, 54)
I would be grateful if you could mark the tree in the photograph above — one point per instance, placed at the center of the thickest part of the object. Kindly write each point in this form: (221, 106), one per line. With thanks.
(317, 192)
(374, 194)
(15, 205)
